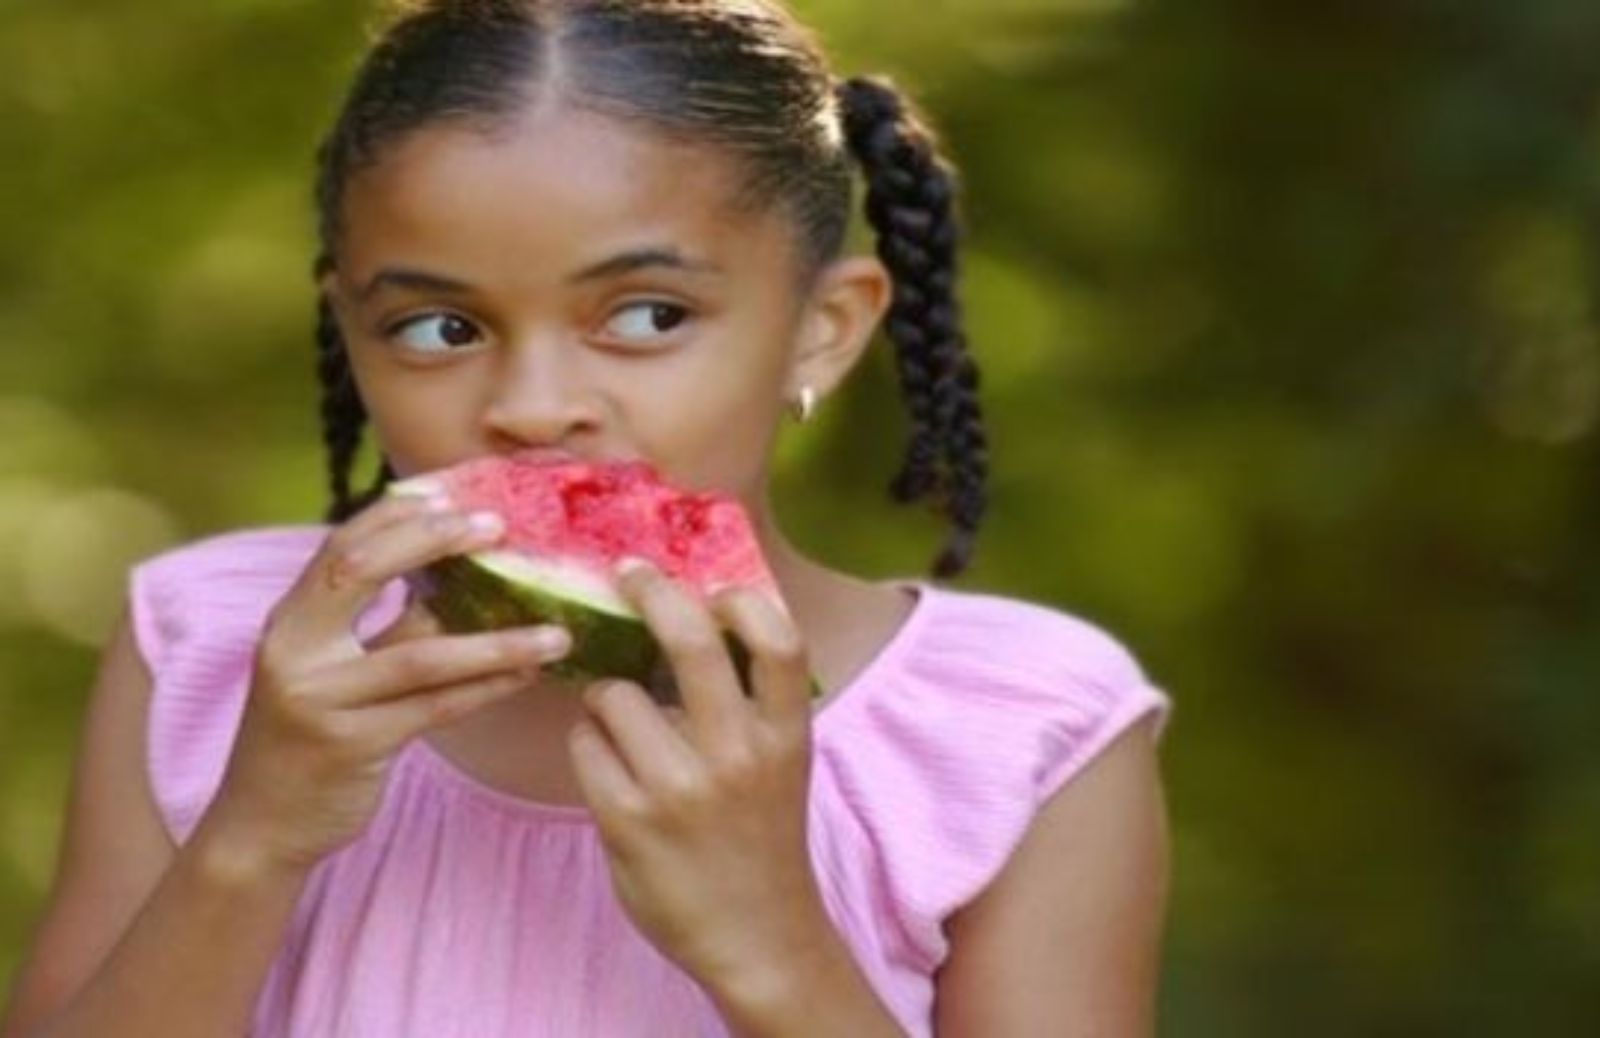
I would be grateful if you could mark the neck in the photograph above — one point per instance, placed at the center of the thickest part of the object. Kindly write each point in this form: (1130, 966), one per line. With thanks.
(823, 602)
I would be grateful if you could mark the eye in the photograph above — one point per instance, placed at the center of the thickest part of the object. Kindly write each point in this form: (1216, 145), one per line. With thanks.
(643, 320)
(425, 333)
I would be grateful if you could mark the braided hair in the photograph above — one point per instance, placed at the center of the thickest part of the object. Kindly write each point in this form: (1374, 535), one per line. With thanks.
(910, 197)
(741, 75)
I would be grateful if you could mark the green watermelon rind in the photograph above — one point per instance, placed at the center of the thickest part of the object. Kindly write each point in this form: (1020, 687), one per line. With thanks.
(468, 595)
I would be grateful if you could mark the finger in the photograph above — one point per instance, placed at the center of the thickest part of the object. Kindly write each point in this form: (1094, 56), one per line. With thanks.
(780, 668)
(654, 750)
(292, 624)
(389, 509)
(678, 719)
(392, 724)
(352, 575)
(347, 574)
(603, 777)
(708, 685)
(438, 660)
(365, 524)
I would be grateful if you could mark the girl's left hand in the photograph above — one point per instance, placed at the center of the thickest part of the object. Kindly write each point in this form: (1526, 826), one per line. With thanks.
(702, 809)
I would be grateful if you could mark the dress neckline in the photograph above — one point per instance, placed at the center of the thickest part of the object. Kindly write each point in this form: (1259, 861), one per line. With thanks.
(825, 714)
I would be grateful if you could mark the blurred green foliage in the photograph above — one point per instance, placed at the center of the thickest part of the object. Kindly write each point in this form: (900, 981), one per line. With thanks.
(1287, 316)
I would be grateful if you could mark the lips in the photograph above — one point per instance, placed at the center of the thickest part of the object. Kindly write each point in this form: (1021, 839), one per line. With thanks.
(545, 455)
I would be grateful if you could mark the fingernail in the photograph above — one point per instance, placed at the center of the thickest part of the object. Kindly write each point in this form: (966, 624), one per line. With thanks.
(486, 523)
(554, 641)
(632, 564)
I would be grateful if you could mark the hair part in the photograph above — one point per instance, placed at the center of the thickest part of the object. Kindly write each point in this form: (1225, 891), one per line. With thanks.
(741, 76)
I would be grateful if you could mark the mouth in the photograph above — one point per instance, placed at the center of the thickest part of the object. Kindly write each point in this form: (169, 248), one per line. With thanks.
(545, 455)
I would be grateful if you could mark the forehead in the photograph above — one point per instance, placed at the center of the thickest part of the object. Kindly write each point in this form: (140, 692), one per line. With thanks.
(557, 185)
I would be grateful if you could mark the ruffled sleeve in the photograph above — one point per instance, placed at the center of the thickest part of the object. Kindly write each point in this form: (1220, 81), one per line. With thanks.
(946, 757)
(197, 612)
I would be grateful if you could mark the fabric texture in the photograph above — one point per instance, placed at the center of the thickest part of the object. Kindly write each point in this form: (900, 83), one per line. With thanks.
(463, 911)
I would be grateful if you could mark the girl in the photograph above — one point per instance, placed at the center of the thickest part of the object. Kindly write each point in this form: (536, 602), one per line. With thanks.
(608, 230)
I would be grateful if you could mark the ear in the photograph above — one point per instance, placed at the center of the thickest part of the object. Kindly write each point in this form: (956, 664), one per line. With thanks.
(328, 285)
(331, 286)
(847, 301)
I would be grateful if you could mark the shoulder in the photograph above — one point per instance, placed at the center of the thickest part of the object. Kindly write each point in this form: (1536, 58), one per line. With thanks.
(989, 634)
(1044, 688)
(262, 553)
(197, 610)
(222, 579)
(987, 708)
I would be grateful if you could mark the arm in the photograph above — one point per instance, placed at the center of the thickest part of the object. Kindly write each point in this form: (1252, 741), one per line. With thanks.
(1066, 940)
(128, 943)
(825, 993)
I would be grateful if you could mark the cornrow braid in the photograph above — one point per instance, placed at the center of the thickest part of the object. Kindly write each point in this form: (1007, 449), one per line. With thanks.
(741, 76)
(343, 413)
(910, 204)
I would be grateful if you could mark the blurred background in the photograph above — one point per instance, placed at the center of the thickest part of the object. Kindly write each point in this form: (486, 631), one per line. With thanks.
(1289, 318)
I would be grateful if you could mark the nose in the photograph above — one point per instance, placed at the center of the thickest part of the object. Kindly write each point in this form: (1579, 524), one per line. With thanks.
(540, 398)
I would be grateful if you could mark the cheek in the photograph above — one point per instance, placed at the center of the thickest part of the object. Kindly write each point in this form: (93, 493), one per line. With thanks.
(711, 423)
(420, 420)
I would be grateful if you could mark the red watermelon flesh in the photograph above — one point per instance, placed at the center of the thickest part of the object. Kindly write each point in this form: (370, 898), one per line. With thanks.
(590, 515)
(567, 524)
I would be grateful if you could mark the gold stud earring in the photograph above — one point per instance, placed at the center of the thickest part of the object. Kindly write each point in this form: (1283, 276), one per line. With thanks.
(802, 408)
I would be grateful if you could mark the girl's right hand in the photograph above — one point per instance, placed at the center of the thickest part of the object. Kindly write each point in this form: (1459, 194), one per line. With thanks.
(326, 713)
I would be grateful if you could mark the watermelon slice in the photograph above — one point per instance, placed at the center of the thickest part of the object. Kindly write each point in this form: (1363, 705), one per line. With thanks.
(567, 524)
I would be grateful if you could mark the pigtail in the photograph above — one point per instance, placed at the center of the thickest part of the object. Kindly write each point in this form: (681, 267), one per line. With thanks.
(910, 204)
(343, 414)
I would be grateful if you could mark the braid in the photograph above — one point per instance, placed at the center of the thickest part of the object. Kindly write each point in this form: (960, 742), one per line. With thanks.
(343, 414)
(910, 204)
(738, 75)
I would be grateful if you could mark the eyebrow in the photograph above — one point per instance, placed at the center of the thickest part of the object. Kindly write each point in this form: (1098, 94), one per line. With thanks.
(614, 266)
(638, 259)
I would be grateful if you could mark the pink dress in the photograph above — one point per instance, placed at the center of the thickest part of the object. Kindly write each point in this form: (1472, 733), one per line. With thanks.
(466, 912)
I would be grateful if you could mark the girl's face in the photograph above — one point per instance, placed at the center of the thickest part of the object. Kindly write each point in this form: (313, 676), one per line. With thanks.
(574, 284)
